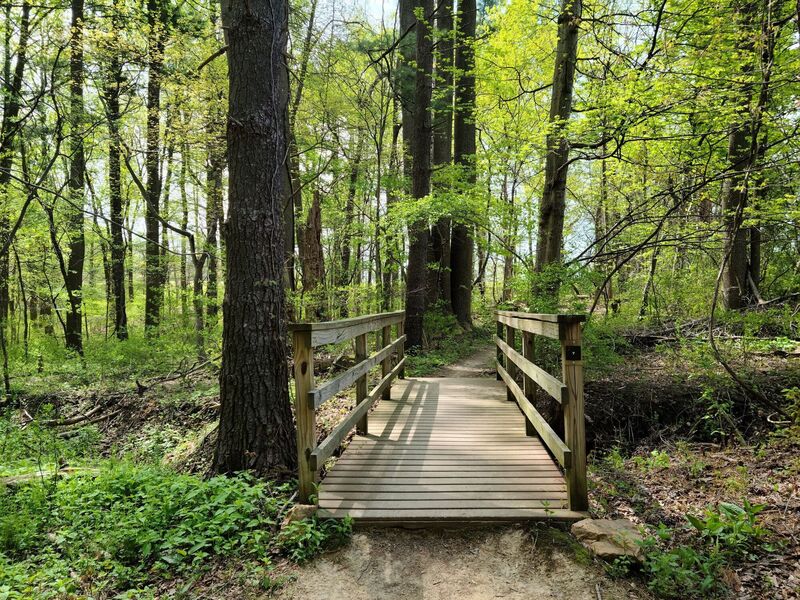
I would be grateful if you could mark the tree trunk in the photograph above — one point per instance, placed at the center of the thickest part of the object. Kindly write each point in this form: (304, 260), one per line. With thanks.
(439, 277)
(113, 86)
(741, 156)
(12, 89)
(553, 206)
(256, 430)
(73, 281)
(184, 274)
(462, 246)
(154, 277)
(311, 258)
(421, 180)
(215, 166)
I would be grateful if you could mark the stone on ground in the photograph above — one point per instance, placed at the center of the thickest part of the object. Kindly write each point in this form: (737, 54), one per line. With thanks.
(609, 538)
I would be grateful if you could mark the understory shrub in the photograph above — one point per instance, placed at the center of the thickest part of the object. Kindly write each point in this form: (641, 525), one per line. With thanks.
(127, 525)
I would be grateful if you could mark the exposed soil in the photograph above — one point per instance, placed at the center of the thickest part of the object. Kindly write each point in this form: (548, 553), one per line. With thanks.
(479, 364)
(515, 563)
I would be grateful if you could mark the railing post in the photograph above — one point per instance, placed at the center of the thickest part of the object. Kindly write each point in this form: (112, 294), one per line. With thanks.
(529, 387)
(386, 364)
(511, 368)
(361, 382)
(401, 329)
(574, 425)
(305, 415)
(500, 334)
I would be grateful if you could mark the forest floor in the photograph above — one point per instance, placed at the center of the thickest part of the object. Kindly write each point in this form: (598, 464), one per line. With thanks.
(660, 449)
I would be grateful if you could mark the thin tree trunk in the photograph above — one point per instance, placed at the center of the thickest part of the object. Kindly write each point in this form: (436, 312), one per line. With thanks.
(216, 159)
(112, 91)
(73, 281)
(154, 276)
(256, 430)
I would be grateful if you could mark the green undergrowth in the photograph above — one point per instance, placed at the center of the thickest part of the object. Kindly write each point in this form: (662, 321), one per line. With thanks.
(124, 529)
(446, 342)
(695, 564)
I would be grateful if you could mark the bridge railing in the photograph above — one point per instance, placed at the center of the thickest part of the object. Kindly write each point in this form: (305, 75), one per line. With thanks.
(568, 391)
(308, 397)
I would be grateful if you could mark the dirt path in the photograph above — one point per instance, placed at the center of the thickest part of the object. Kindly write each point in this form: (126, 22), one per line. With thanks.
(479, 364)
(513, 563)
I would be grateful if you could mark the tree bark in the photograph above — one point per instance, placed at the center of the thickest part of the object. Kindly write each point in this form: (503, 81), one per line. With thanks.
(462, 246)
(439, 278)
(12, 90)
(73, 280)
(421, 180)
(256, 430)
(112, 93)
(553, 206)
(154, 273)
(311, 258)
(215, 166)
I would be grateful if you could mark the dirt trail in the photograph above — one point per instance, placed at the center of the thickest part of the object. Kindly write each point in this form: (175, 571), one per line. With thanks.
(513, 562)
(521, 562)
(479, 364)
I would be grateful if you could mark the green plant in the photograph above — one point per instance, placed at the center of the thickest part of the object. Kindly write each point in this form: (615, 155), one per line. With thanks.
(301, 540)
(732, 529)
(656, 460)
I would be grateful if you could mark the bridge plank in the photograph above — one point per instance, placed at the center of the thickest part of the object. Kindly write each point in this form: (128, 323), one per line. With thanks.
(445, 450)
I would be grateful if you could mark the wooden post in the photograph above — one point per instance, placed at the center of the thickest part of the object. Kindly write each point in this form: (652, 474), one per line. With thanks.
(574, 425)
(401, 328)
(361, 382)
(511, 368)
(529, 386)
(305, 414)
(500, 360)
(386, 364)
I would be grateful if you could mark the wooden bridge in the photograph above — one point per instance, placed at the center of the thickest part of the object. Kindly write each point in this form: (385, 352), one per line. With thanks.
(444, 450)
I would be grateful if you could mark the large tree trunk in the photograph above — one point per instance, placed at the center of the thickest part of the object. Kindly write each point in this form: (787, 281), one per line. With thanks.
(256, 430)
(112, 93)
(462, 246)
(154, 274)
(421, 180)
(553, 206)
(439, 277)
(73, 281)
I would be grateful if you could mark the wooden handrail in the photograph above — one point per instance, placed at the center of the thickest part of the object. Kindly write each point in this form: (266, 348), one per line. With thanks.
(306, 336)
(571, 451)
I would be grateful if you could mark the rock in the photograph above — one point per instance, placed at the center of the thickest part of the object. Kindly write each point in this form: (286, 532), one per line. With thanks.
(610, 538)
(299, 512)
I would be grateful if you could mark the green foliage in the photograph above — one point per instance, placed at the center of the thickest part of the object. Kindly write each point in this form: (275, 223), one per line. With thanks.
(302, 540)
(682, 571)
(655, 461)
(119, 530)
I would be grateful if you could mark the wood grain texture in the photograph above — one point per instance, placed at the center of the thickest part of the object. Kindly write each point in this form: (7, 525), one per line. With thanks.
(445, 451)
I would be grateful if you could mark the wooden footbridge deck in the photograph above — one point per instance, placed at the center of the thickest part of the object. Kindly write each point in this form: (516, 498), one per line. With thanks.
(444, 450)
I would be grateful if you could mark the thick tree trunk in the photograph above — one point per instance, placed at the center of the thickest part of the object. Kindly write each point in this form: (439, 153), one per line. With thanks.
(553, 206)
(462, 246)
(73, 281)
(154, 275)
(115, 197)
(741, 158)
(421, 180)
(439, 276)
(256, 429)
